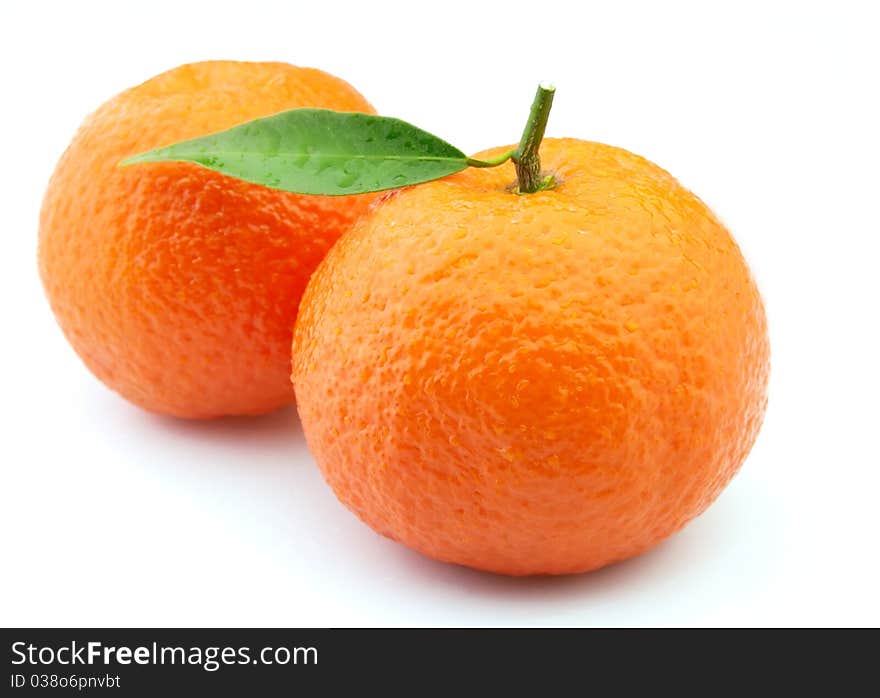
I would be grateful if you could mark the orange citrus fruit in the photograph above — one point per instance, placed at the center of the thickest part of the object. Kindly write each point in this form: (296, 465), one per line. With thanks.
(533, 384)
(178, 286)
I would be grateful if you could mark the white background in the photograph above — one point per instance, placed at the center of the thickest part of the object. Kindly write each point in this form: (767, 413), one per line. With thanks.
(110, 516)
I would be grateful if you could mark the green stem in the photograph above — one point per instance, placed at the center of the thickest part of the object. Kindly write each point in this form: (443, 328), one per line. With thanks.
(494, 162)
(526, 157)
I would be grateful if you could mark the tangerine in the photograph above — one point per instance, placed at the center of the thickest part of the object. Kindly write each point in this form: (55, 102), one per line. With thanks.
(542, 383)
(176, 285)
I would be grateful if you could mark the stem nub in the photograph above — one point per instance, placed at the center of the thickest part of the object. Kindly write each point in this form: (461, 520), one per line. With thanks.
(526, 157)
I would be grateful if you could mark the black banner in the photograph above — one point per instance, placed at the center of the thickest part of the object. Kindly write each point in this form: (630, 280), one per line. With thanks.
(260, 662)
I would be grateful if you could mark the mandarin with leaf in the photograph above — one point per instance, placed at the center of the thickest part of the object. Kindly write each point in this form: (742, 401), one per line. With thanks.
(538, 382)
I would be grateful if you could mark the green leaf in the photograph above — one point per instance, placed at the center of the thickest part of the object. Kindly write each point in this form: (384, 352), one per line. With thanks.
(318, 151)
